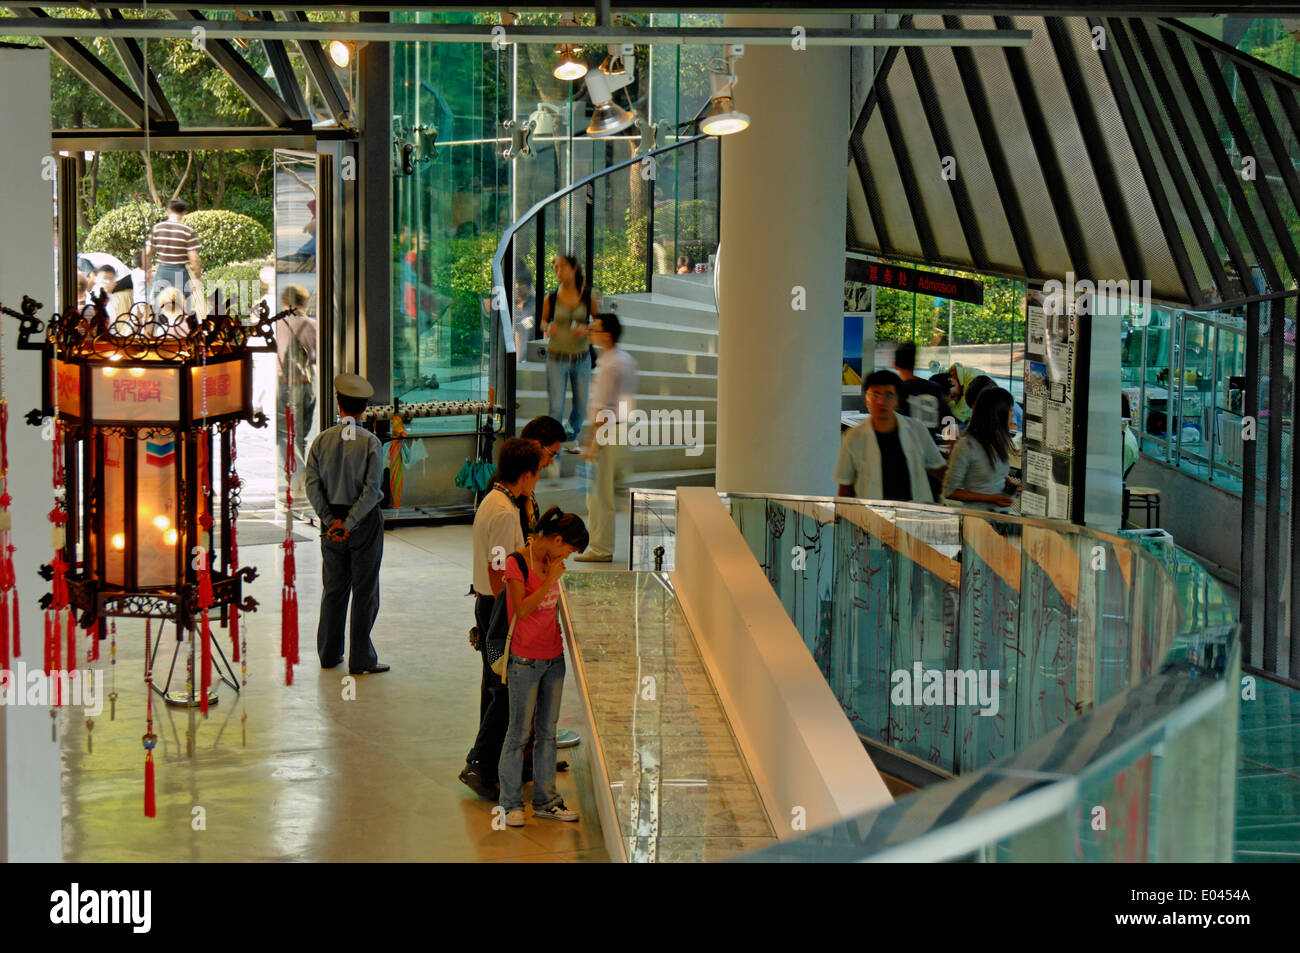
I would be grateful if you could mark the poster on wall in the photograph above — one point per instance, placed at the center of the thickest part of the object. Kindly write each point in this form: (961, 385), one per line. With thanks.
(1050, 362)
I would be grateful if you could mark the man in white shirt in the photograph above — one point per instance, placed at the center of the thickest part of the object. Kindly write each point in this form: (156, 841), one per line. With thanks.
(613, 394)
(887, 456)
(497, 533)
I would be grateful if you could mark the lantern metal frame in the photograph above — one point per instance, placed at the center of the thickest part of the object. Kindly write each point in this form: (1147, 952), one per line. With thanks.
(88, 339)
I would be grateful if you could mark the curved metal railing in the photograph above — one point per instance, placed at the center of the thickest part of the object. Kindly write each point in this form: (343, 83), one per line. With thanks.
(501, 370)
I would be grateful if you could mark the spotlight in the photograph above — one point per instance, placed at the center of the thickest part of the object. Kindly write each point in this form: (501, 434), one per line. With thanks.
(723, 118)
(342, 51)
(608, 118)
(570, 68)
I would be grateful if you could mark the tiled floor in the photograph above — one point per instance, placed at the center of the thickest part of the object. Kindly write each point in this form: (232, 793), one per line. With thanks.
(1268, 776)
(300, 772)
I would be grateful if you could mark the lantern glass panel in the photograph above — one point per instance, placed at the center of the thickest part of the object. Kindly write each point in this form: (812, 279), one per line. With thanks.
(156, 511)
(114, 510)
(68, 377)
(136, 393)
(225, 389)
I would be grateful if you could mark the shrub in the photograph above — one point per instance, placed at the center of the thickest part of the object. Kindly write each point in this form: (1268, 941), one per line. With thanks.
(241, 281)
(228, 236)
(123, 231)
(223, 236)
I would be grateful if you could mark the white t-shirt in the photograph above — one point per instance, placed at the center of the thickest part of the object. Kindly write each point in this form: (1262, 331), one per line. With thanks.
(615, 382)
(496, 524)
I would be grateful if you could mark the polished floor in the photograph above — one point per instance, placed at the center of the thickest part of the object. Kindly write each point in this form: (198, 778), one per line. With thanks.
(304, 773)
(1268, 776)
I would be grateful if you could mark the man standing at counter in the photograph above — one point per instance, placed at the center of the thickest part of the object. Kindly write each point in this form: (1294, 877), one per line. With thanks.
(887, 456)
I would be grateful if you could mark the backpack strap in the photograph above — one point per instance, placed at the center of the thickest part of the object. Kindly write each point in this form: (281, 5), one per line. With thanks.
(523, 564)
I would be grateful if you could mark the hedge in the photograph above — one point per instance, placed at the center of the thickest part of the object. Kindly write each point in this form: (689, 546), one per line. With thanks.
(224, 236)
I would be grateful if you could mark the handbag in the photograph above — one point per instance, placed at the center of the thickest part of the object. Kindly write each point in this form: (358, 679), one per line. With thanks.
(500, 634)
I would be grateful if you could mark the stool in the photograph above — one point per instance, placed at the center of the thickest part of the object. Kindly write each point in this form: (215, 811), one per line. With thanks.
(1144, 498)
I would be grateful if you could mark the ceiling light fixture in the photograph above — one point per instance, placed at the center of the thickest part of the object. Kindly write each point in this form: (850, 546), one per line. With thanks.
(723, 118)
(342, 52)
(609, 118)
(569, 68)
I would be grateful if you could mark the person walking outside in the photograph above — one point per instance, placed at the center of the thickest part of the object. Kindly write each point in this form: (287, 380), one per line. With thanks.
(172, 245)
(980, 461)
(497, 532)
(918, 398)
(612, 398)
(535, 670)
(565, 316)
(344, 469)
(888, 455)
(295, 358)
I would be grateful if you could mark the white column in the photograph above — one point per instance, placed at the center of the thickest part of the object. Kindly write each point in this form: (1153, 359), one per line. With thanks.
(783, 220)
(30, 804)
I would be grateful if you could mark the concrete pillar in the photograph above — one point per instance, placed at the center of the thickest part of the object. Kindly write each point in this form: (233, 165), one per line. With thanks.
(31, 808)
(783, 220)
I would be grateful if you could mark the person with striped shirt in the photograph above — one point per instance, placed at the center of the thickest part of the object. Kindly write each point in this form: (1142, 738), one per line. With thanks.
(172, 245)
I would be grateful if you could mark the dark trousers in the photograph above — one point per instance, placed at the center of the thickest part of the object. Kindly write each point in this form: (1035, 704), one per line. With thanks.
(351, 568)
(494, 702)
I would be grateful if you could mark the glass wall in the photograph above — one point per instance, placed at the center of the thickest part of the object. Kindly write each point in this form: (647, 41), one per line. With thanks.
(456, 110)
(1184, 375)
(988, 336)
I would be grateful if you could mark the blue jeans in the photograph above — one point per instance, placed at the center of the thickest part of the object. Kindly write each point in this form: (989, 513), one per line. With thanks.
(170, 276)
(539, 684)
(558, 376)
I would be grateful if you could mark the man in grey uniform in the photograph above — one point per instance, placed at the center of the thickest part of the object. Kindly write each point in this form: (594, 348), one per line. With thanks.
(344, 469)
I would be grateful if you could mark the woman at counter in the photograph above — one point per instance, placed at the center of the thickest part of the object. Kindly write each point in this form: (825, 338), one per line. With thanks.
(980, 461)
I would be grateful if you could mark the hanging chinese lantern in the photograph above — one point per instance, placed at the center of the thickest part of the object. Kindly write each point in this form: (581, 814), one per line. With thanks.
(145, 505)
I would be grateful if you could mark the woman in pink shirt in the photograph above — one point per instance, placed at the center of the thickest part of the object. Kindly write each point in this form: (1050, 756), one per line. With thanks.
(535, 672)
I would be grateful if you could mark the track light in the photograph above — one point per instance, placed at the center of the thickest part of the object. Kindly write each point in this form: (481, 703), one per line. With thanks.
(609, 118)
(570, 68)
(723, 118)
(342, 52)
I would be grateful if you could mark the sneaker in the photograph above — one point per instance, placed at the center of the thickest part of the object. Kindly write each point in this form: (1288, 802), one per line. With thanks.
(556, 812)
(470, 777)
(515, 818)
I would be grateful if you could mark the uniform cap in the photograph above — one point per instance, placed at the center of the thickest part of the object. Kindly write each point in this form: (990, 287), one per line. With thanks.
(353, 385)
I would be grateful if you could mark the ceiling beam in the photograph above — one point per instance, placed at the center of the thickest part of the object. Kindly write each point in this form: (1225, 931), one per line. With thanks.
(375, 32)
(322, 74)
(285, 77)
(86, 64)
(129, 52)
(246, 79)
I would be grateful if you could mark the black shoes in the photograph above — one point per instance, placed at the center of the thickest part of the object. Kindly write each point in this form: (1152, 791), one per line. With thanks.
(372, 670)
(331, 664)
(470, 777)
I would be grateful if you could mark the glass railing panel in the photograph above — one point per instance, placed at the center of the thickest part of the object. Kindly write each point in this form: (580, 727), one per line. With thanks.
(1046, 690)
(680, 788)
(862, 655)
(988, 617)
(653, 518)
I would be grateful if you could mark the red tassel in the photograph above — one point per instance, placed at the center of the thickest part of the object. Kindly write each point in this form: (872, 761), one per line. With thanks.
(94, 640)
(206, 681)
(234, 634)
(72, 640)
(150, 803)
(56, 665)
(4, 631)
(18, 644)
(49, 637)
